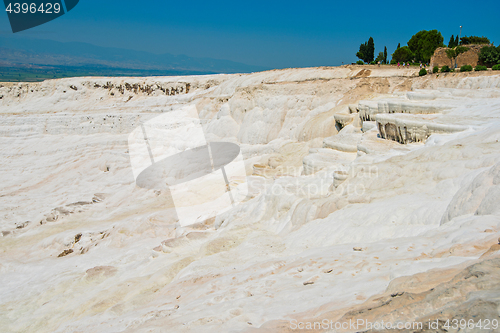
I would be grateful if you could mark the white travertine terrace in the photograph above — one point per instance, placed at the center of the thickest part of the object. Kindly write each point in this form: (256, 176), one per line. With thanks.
(366, 185)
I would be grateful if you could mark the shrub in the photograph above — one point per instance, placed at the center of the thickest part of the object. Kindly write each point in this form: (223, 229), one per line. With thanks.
(496, 67)
(466, 68)
(480, 68)
(489, 55)
(445, 69)
(393, 62)
(422, 72)
(360, 62)
(435, 69)
(373, 62)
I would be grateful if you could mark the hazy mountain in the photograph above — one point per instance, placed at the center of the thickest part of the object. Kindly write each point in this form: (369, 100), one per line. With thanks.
(23, 52)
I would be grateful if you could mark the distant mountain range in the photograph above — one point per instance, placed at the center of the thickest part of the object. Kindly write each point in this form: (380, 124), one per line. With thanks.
(23, 54)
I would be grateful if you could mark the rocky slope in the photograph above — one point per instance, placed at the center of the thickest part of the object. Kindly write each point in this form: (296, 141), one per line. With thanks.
(372, 195)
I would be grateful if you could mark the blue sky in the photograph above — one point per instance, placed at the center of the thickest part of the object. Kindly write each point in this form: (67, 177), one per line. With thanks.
(274, 34)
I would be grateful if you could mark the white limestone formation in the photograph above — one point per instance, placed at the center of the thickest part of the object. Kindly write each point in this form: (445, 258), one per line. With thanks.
(402, 169)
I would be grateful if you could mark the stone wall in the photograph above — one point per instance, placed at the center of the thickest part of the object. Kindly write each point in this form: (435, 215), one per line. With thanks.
(471, 57)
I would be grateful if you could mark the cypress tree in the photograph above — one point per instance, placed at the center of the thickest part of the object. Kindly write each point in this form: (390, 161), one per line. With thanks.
(385, 54)
(451, 43)
(370, 50)
(367, 51)
(361, 54)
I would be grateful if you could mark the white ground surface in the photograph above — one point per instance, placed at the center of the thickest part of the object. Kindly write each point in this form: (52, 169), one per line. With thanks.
(65, 171)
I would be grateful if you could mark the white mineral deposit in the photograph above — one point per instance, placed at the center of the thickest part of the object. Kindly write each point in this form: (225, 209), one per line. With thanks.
(371, 194)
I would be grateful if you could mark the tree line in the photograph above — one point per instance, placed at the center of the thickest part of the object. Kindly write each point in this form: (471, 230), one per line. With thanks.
(419, 48)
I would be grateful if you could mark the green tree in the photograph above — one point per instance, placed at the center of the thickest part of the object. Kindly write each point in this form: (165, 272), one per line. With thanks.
(490, 55)
(366, 51)
(453, 53)
(424, 43)
(474, 40)
(399, 45)
(451, 43)
(371, 49)
(385, 54)
(380, 57)
(456, 41)
(361, 54)
(403, 54)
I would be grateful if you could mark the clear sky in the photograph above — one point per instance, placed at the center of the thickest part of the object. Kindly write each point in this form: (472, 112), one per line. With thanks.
(275, 34)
